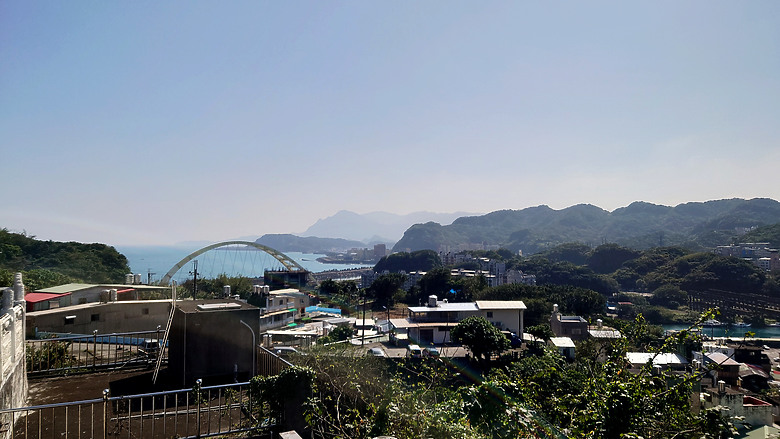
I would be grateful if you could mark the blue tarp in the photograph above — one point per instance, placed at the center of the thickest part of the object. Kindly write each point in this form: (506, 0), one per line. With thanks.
(321, 309)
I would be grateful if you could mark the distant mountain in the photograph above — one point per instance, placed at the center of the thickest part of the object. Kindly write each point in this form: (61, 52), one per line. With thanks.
(639, 225)
(309, 244)
(376, 226)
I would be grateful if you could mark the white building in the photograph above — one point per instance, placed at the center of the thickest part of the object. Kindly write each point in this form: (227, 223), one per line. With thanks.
(432, 323)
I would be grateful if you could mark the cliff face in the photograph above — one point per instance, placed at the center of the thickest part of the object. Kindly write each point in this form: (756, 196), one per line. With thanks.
(639, 225)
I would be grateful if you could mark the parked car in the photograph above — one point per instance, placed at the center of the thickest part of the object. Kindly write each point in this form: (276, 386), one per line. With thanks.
(376, 352)
(283, 351)
(431, 351)
(413, 351)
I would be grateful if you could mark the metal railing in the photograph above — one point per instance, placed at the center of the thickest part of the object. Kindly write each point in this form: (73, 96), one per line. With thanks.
(89, 352)
(188, 413)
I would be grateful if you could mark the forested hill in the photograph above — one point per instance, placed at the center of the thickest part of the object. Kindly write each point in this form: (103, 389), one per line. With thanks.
(50, 263)
(640, 225)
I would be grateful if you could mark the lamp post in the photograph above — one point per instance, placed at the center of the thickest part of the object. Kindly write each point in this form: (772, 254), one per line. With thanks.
(254, 346)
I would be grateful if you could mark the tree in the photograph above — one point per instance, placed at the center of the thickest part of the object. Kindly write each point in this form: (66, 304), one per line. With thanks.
(607, 258)
(480, 336)
(386, 289)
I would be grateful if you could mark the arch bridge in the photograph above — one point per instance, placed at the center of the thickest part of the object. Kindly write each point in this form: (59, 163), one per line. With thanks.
(287, 262)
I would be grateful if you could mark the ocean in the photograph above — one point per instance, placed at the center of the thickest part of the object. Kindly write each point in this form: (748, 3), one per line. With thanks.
(155, 261)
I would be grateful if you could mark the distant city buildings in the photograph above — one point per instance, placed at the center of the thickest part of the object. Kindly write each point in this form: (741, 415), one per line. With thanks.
(758, 253)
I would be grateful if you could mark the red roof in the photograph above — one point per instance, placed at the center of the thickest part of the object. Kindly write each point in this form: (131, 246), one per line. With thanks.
(42, 297)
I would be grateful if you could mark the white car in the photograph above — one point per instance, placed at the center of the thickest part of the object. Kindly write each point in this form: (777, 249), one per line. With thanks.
(376, 352)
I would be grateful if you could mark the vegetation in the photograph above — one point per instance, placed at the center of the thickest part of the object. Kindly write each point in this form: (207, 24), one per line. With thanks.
(49, 263)
(539, 395)
(639, 226)
(422, 260)
(480, 336)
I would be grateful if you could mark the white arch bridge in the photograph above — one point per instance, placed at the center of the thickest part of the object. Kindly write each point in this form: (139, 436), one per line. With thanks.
(234, 258)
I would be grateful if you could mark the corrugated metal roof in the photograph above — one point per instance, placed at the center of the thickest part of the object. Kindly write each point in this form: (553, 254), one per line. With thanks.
(67, 288)
(658, 358)
(500, 304)
(42, 297)
(562, 342)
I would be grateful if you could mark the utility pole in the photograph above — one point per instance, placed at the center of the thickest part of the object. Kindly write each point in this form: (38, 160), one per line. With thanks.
(363, 337)
(194, 274)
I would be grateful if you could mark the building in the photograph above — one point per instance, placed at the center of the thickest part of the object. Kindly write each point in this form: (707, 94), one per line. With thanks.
(279, 279)
(432, 323)
(380, 251)
(80, 294)
(213, 340)
(735, 403)
(564, 346)
(574, 327)
(663, 360)
(282, 307)
(106, 318)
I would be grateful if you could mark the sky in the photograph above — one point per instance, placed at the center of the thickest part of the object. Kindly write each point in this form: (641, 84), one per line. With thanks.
(152, 123)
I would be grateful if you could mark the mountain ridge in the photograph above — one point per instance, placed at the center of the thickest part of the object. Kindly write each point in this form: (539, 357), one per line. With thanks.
(640, 225)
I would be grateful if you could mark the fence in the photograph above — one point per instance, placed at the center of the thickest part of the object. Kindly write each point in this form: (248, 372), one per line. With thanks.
(89, 352)
(189, 413)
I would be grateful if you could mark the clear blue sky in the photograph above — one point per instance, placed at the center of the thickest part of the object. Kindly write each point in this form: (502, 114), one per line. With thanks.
(151, 122)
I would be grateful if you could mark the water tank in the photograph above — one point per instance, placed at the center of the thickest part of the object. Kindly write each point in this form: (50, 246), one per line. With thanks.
(226, 291)
(432, 301)
(137, 279)
(129, 278)
(105, 296)
(266, 289)
(112, 295)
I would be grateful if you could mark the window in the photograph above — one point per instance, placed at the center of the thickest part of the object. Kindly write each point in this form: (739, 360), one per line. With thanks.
(490, 314)
(69, 320)
(95, 317)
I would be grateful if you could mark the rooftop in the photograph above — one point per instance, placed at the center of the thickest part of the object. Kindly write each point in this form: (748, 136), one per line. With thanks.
(211, 305)
(562, 342)
(443, 306)
(70, 288)
(658, 358)
(500, 304)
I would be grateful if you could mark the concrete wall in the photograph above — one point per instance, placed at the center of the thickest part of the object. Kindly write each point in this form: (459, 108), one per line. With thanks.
(13, 376)
(211, 345)
(510, 319)
(106, 318)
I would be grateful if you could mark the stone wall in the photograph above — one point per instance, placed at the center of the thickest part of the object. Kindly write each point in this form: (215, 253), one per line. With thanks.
(13, 376)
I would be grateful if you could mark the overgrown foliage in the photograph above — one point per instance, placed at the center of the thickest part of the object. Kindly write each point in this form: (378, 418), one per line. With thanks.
(49, 263)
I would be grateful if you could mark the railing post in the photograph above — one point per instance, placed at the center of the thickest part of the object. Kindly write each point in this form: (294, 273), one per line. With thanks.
(94, 347)
(198, 385)
(105, 413)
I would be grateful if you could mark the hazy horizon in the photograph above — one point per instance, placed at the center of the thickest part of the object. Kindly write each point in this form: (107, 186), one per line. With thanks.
(151, 123)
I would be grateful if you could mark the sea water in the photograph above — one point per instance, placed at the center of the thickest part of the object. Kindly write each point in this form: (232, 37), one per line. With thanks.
(157, 260)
